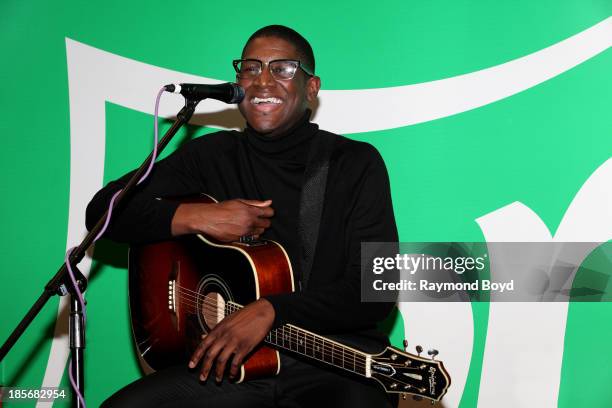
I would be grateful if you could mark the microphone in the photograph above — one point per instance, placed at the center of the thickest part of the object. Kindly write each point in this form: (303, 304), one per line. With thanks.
(227, 92)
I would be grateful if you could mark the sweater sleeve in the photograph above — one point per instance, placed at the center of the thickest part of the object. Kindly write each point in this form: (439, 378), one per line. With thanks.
(337, 307)
(143, 216)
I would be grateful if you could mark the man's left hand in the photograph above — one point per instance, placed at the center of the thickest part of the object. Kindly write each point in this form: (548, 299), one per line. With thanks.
(236, 335)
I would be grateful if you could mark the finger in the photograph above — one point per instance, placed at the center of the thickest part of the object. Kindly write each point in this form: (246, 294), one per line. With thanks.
(196, 356)
(209, 359)
(236, 363)
(222, 361)
(256, 203)
(261, 223)
(266, 212)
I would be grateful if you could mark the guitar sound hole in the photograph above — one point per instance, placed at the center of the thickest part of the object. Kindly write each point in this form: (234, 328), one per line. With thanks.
(212, 309)
(213, 293)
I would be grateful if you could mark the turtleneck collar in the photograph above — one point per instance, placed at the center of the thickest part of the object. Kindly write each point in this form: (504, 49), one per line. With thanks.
(298, 135)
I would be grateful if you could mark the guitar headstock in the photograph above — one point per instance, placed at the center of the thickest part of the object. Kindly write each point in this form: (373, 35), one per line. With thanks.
(405, 373)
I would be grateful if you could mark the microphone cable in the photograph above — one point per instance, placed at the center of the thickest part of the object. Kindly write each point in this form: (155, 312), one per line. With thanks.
(104, 228)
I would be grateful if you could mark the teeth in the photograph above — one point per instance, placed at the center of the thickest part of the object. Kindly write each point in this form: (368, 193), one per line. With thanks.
(257, 100)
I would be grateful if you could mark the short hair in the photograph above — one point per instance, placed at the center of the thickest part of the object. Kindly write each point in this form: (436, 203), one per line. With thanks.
(302, 45)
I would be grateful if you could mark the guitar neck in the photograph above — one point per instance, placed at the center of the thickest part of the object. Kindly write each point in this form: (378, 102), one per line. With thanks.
(314, 346)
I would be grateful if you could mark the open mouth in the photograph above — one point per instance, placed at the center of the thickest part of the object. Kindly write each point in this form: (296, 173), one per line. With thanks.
(265, 101)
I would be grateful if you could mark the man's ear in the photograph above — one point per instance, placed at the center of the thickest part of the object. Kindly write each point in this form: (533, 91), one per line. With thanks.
(312, 88)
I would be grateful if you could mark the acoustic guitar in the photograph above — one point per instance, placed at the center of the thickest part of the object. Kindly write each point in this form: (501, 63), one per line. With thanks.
(180, 289)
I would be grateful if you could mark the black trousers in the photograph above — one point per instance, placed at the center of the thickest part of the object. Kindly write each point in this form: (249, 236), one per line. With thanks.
(299, 384)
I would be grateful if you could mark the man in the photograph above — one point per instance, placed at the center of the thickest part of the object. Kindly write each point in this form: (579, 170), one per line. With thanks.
(258, 175)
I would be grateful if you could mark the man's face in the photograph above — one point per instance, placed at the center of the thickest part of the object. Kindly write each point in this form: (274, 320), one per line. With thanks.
(291, 96)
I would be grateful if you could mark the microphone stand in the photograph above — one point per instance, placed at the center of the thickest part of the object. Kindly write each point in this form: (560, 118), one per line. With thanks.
(60, 284)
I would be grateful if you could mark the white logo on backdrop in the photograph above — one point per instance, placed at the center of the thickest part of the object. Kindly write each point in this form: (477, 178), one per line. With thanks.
(96, 76)
(522, 333)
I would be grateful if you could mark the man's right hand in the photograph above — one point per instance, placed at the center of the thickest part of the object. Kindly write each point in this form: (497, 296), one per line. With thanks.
(225, 221)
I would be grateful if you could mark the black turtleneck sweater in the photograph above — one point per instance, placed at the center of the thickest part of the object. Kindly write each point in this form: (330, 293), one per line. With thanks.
(229, 164)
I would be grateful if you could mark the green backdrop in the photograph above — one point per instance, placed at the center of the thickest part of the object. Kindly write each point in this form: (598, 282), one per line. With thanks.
(538, 146)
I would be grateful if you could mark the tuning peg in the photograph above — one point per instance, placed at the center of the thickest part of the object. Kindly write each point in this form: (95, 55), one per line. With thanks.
(419, 350)
(433, 353)
(403, 395)
(433, 402)
(405, 345)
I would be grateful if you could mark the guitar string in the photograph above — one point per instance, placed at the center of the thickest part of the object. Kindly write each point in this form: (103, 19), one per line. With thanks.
(213, 306)
(357, 365)
(326, 350)
(323, 346)
(327, 346)
(191, 298)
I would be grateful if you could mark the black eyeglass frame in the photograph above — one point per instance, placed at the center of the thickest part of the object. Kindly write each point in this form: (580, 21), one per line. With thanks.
(261, 63)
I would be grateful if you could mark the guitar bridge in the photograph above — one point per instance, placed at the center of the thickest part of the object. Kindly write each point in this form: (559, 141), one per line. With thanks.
(172, 296)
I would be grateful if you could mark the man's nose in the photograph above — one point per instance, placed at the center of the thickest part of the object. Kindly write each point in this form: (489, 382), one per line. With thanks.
(265, 78)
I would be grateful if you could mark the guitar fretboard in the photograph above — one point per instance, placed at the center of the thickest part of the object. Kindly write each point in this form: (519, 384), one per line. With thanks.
(312, 345)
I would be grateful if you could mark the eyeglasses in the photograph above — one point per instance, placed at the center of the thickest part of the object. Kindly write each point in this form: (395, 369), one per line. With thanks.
(280, 69)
